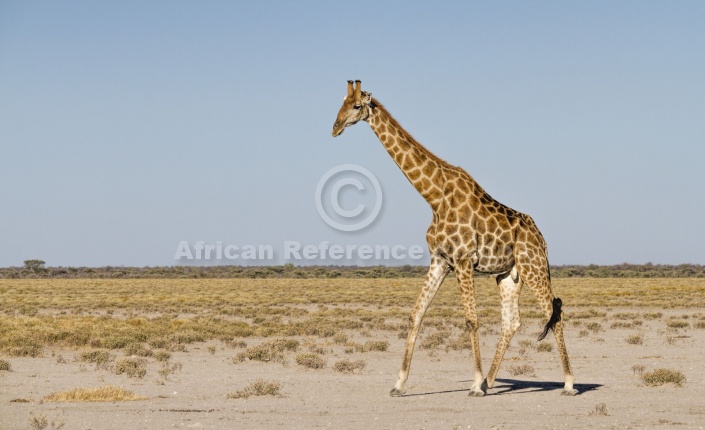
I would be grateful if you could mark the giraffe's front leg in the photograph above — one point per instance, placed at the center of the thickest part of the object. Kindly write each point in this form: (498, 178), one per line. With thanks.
(436, 273)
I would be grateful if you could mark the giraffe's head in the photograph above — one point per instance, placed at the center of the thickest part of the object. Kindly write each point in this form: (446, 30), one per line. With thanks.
(356, 107)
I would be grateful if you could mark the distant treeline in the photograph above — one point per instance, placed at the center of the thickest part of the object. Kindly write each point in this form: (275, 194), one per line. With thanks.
(36, 269)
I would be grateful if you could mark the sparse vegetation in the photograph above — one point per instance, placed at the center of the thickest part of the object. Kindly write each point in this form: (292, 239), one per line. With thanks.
(37, 269)
(434, 340)
(544, 347)
(677, 324)
(168, 368)
(259, 387)
(5, 365)
(99, 357)
(522, 369)
(347, 366)
(340, 338)
(132, 367)
(594, 327)
(107, 393)
(162, 356)
(600, 409)
(310, 360)
(635, 339)
(638, 369)
(309, 324)
(268, 351)
(663, 376)
(375, 345)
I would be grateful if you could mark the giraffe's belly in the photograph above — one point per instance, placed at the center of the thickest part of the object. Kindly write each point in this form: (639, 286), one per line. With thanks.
(485, 256)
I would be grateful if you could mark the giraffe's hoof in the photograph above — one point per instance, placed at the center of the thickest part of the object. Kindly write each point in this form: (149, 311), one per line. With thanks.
(569, 392)
(476, 393)
(479, 392)
(396, 392)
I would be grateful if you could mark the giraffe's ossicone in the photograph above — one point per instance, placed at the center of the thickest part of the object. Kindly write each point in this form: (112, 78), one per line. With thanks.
(470, 232)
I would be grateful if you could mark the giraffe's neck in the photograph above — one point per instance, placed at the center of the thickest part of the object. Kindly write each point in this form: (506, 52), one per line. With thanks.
(422, 168)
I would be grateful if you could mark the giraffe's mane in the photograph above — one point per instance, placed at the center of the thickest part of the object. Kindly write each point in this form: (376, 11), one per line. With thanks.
(377, 105)
(395, 124)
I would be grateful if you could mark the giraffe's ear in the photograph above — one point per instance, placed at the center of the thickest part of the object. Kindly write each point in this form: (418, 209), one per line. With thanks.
(366, 98)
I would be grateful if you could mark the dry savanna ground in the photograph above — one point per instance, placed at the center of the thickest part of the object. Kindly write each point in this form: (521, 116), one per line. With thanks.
(322, 353)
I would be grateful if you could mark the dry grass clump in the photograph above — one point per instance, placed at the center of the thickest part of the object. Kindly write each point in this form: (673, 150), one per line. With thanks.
(638, 369)
(663, 376)
(635, 339)
(236, 344)
(137, 349)
(677, 324)
(626, 315)
(460, 342)
(347, 366)
(370, 345)
(600, 409)
(375, 345)
(107, 393)
(41, 422)
(544, 347)
(259, 387)
(95, 356)
(435, 340)
(594, 327)
(25, 351)
(652, 315)
(526, 344)
(522, 369)
(590, 313)
(162, 356)
(132, 367)
(340, 338)
(269, 351)
(5, 365)
(622, 324)
(699, 324)
(168, 368)
(310, 360)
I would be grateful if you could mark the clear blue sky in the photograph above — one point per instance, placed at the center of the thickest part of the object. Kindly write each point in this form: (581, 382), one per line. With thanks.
(128, 127)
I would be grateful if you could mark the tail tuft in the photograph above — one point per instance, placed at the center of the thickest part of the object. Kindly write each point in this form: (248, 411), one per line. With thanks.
(555, 317)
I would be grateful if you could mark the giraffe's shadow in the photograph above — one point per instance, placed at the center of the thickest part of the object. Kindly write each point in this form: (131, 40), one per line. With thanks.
(515, 386)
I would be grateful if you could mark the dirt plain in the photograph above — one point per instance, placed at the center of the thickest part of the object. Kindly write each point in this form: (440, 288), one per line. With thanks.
(641, 326)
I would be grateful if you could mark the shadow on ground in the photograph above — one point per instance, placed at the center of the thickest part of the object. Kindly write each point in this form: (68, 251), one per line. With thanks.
(515, 386)
(503, 386)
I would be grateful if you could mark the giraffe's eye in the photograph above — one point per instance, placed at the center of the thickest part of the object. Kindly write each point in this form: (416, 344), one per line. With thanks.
(357, 107)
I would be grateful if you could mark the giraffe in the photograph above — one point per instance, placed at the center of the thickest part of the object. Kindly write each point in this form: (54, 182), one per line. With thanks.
(470, 232)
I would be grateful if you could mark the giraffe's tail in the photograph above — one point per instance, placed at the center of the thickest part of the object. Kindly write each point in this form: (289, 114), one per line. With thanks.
(555, 317)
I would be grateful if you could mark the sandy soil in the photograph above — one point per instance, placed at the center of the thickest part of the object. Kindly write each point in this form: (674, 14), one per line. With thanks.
(437, 391)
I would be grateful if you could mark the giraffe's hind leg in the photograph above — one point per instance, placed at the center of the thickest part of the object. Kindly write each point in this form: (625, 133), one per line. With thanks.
(467, 292)
(436, 274)
(534, 272)
(509, 288)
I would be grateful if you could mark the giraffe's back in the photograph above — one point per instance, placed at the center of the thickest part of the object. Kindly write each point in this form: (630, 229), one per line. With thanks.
(470, 224)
